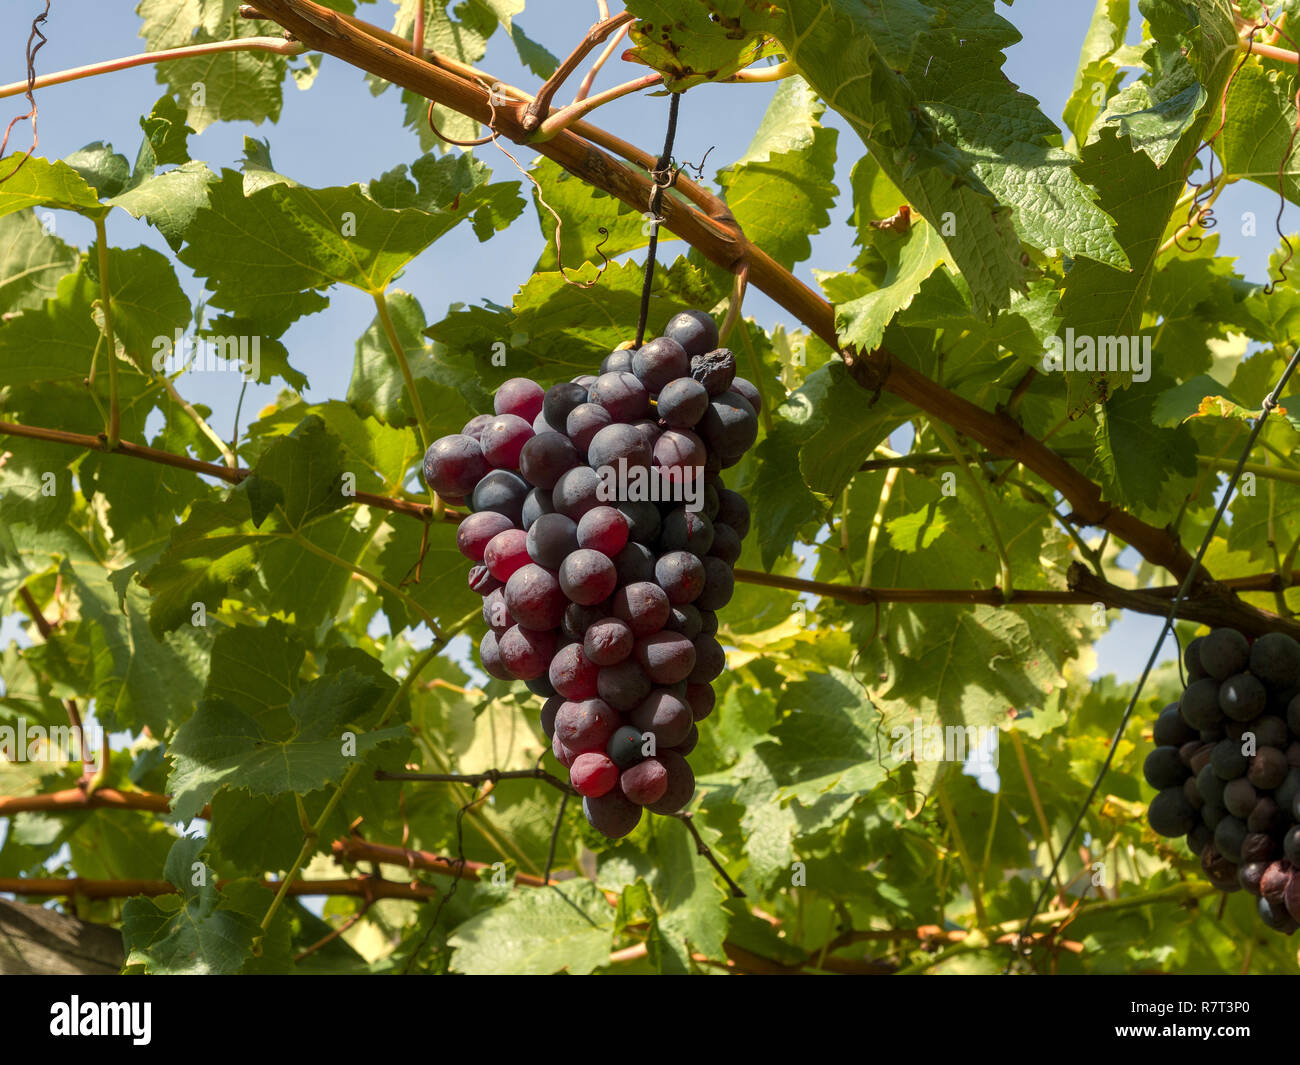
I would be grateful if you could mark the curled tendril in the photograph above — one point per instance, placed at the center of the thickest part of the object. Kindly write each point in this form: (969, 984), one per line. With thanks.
(32, 49)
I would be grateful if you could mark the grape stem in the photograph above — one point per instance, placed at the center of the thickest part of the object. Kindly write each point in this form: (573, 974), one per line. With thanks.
(478, 779)
(541, 105)
(702, 849)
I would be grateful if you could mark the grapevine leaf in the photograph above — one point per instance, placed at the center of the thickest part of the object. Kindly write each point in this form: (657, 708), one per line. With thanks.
(32, 260)
(567, 927)
(221, 746)
(194, 933)
(781, 190)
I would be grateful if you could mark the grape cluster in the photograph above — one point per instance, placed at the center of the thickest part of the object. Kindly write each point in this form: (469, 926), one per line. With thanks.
(1227, 768)
(603, 540)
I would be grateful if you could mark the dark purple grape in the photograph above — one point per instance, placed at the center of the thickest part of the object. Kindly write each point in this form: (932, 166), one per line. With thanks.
(526, 653)
(454, 465)
(489, 654)
(1269, 731)
(1170, 814)
(644, 606)
(618, 448)
(541, 425)
(481, 580)
(1291, 845)
(719, 585)
(1258, 847)
(711, 660)
(562, 754)
(560, 400)
(549, 709)
(681, 575)
(505, 553)
(534, 598)
(649, 431)
(1276, 917)
(1210, 786)
(663, 714)
(608, 642)
(729, 426)
(1170, 729)
(620, 393)
(475, 426)
(1240, 797)
(588, 577)
(686, 530)
(701, 699)
(1227, 761)
(496, 615)
(634, 564)
(708, 623)
(1275, 659)
(733, 511)
(715, 370)
(519, 396)
(1200, 704)
(503, 492)
(551, 539)
(612, 815)
(585, 726)
(710, 505)
(726, 546)
(1242, 697)
(1162, 768)
(584, 422)
(617, 360)
(684, 619)
(624, 747)
(666, 657)
(642, 519)
(748, 390)
(644, 782)
(577, 492)
(503, 440)
(536, 503)
(1249, 876)
(476, 530)
(659, 361)
(603, 529)
(1268, 768)
(541, 686)
(694, 330)
(623, 686)
(681, 784)
(680, 455)
(1266, 816)
(692, 738)
(545, 457)
(1224, 652)
(578, 618)
(592, 774)
(573, 674)
(682, 402)
(1229, 835)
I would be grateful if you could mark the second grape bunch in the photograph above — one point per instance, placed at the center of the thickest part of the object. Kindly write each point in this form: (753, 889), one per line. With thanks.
(602, 601)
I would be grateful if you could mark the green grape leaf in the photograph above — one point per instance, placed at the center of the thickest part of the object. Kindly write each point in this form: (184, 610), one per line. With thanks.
(194, 933)
(32, 260)
(781, 190)
(567, 927)
(221, 746)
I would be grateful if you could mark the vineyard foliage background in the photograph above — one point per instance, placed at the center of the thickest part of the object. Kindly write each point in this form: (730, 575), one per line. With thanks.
(234, 627)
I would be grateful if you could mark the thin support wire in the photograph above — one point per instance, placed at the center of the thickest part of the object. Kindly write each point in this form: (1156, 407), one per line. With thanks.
(663, 176)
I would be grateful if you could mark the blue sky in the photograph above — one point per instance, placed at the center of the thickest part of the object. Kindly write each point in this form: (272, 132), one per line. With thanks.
(337, 133)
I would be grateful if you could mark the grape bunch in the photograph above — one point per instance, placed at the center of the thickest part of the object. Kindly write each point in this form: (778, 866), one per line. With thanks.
(1227, 768)
(604, 540)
